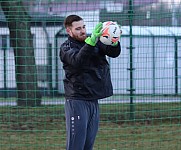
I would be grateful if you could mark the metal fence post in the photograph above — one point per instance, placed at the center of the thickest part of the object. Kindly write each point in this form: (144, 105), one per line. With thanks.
(131, 69)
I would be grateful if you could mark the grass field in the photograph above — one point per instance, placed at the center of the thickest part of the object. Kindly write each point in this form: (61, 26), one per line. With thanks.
(156, 126)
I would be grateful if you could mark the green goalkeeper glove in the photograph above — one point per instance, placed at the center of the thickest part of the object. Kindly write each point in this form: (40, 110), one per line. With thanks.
(115, 44)
(97, 32)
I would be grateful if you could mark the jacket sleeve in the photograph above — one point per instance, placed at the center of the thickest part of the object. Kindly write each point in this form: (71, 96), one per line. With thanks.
(111, 51)
(73, 56)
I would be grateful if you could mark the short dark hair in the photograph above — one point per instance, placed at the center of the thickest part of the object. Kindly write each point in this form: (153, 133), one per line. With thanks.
(71, 18)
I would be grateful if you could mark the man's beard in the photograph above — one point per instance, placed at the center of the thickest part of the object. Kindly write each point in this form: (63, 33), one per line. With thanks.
(80, 38)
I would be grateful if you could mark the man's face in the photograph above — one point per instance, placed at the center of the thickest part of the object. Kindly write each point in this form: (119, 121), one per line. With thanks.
(77, 30)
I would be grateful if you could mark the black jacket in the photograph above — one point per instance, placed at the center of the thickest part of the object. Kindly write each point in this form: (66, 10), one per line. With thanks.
(87, 72)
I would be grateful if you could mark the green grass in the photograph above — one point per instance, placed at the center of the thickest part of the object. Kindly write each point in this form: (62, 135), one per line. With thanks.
(156, 126)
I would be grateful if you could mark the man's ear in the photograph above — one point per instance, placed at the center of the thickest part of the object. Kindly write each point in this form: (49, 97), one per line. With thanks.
(68, 30)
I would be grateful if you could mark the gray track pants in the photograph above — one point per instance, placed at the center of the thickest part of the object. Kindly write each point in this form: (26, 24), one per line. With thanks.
(82, 120)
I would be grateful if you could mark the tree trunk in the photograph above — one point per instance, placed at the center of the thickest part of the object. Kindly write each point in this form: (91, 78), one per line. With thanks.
(22, 42)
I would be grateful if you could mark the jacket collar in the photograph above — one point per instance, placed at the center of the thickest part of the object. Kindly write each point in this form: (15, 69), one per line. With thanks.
(75, 41)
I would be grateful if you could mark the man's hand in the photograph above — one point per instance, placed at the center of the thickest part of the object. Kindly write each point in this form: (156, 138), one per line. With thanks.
(97, 32)
(115, 44)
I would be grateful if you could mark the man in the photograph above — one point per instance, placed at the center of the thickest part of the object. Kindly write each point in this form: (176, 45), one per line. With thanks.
(87, 79)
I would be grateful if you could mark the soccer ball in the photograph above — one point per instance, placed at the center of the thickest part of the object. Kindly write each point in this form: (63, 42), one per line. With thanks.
(110, 33)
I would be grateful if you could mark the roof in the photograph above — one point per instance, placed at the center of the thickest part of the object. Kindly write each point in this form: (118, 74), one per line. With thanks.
(37, 19)
(58, 7)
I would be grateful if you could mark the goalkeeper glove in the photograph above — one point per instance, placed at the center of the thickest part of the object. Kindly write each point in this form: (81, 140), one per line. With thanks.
(97, 32)
(115, 44)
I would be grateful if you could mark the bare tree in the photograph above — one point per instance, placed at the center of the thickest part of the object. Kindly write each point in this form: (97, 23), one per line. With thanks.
(22, 42)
